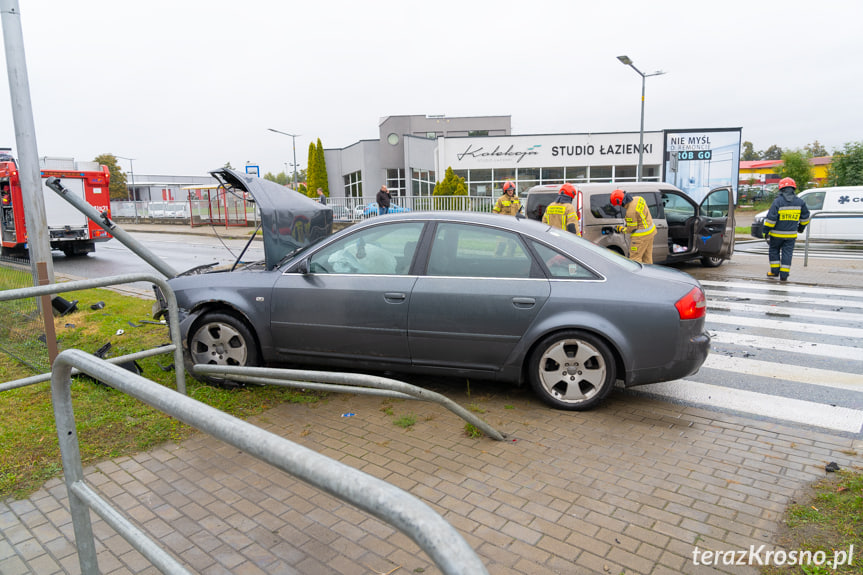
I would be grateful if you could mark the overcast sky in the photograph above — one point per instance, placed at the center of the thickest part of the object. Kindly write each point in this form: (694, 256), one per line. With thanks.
(185, 86)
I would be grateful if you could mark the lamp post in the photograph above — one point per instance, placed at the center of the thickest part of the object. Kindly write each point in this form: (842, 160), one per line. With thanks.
(627, 62)
(294, 144)
(128, 192)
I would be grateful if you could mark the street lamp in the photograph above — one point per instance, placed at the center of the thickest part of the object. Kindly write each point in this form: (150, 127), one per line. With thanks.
(294, 144)
(128, 192)
(627, 62)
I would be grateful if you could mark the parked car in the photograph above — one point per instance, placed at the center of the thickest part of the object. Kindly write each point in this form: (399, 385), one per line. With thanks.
(685, 229)
(844, 204)
(341, 213)
(372, 209)
(434, 293)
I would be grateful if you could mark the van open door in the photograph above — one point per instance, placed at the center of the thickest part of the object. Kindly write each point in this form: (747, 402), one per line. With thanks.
(714, 232)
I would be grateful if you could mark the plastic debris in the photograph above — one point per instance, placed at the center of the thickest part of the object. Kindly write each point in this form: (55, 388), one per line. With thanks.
(348, 414)
(98, 305)
(120, 332)
(831, 467)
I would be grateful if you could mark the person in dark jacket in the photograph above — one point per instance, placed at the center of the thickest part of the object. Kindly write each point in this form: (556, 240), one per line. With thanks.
(383, 199)
(788, 216)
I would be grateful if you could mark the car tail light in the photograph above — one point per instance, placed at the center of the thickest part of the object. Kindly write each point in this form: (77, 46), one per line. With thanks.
(693, 305)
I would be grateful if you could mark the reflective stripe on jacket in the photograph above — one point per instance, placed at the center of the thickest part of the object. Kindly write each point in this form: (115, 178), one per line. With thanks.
(506, 205)
(639, 222)
(560, 215)
(787, 216)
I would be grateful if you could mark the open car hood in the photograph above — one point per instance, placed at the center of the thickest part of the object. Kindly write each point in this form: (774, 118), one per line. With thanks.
(289, 220)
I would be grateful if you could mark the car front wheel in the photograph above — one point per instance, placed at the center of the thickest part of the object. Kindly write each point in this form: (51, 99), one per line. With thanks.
(712, 261)
(572, 370)
(222, 339)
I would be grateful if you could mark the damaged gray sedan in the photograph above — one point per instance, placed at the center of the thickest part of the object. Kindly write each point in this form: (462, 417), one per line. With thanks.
(448, 293)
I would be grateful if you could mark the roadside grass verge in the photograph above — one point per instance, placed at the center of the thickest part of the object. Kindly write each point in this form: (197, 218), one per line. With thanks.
(110, 423)
(828, 518)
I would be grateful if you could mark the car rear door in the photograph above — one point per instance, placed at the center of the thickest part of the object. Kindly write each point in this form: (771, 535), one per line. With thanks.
(481, 292)
(714, 231)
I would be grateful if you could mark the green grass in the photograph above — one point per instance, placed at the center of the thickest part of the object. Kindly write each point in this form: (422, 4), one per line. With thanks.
(828, 519)
(110, 424)
(406, 421)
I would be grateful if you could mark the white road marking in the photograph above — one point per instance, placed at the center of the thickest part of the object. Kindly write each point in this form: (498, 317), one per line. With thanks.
(782, 327)
(772, 406)
(785, 372)
(789, 345)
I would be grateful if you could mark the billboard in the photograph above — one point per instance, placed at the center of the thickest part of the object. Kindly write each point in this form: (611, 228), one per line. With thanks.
(696, 161)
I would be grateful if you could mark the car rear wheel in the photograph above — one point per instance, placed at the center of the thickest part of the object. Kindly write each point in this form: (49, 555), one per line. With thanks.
(572, 370)
(712, 261)
(219, 338)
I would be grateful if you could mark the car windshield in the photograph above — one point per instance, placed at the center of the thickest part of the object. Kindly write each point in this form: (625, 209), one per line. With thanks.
(605, 253)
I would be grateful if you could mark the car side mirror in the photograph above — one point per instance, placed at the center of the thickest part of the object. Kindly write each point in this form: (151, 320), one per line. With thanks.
(303, 267)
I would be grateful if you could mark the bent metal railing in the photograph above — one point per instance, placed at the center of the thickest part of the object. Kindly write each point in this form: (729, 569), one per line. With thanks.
(173, 322)
(444, 545)
(831, 215)
(357, 383)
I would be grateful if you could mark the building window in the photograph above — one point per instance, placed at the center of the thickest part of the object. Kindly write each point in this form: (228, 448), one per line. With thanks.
(600, 173)
(578, 174)
(477, 133)
(552, 175)
(422, 182)
(396, 182)
(354, 184)
(625, 173)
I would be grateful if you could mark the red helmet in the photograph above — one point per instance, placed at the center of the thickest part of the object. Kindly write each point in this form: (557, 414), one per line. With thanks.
(507, 186)
(617, 197)
(787, 183)
(568, 190)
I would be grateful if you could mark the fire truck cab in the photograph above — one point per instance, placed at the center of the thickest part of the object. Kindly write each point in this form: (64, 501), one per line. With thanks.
(70, 231)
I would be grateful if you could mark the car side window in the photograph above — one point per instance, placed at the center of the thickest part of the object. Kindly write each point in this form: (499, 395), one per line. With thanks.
(716, 204)
(561, 266)
(600, 207)
(386, 249)
(464, 250)
(814, 201)
(677, 208)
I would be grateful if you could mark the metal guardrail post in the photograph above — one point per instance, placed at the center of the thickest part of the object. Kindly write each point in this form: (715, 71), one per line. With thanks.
(835, 215)
(358, 383)
(173, 320)
(434, 535)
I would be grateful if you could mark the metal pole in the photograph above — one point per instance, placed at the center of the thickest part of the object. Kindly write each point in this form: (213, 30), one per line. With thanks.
(38, 243)
(131, 171)
(294, 144)
(641, 131)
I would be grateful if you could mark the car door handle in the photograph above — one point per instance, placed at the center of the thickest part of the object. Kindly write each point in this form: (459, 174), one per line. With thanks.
(523, 302)
(395, 296)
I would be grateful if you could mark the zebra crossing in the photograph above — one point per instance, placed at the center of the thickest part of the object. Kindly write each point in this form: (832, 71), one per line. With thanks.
(785, 352)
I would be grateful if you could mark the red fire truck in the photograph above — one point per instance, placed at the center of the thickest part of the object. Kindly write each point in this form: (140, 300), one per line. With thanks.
(69, 230)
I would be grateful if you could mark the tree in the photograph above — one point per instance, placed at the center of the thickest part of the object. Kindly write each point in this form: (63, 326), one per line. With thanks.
(117, 187)
(281, 178)
(749, 153)
(321, 169)
(451, 185)
(774, 152)
(816, 150)
(312, 170)
(846, 169)
(795, 165)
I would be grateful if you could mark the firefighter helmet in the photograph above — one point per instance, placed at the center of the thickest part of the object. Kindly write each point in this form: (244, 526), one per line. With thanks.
(568, 190)
(617, 197)
(787, 183)
(507, 186)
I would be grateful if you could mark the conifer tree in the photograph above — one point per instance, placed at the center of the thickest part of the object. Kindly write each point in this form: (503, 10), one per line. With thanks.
(312, 171)
(321, 169)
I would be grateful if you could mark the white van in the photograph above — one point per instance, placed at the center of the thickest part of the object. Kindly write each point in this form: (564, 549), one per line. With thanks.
(843, 219)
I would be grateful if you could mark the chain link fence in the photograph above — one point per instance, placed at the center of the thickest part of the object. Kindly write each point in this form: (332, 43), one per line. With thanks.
(22, 330)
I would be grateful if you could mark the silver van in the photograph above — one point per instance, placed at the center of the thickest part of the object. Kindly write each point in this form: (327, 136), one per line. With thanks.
(843, 214)
(685, 229)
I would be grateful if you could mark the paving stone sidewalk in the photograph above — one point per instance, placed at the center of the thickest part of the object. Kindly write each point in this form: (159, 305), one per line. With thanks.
(632, 487)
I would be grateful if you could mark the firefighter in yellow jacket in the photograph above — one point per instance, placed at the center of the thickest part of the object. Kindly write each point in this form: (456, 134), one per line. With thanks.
(508, 203)
(639, 225)
(561, 213)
